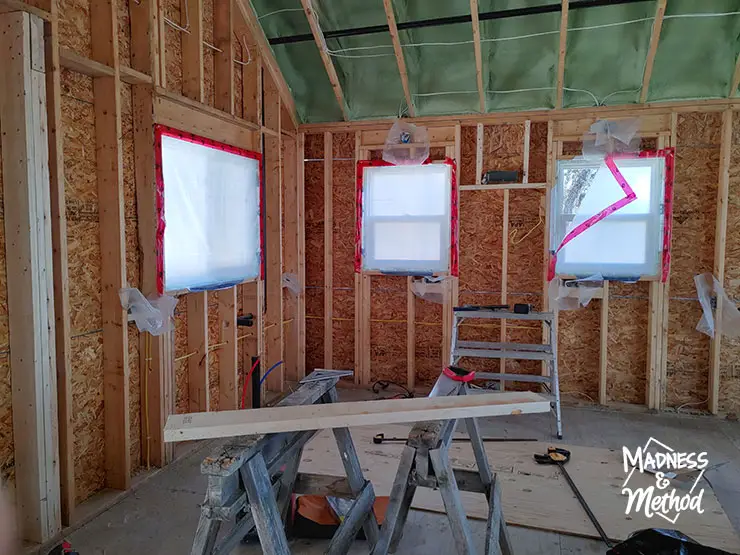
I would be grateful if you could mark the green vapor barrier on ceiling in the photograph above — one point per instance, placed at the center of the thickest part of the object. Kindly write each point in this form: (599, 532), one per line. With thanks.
(606, 51)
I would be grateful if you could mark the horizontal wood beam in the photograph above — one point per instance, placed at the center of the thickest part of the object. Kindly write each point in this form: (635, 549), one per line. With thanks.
(598, 112)
(184, 427)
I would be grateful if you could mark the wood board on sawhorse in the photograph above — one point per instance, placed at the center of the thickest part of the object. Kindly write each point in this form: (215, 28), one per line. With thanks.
(251, 481)
(425, 463)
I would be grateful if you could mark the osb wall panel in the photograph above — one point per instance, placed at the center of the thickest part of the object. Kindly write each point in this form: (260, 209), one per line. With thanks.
(7, 460)
(468, 145)
(578, 351)
(627, 354)
(729, 391)
(238, 80)
(83, 244)
(173, 46)
(214, 339)
(343, 250)
(314, 236)
(538, 152)
(388, 319)
(209, 84)
(502, 147)
(74, 26)
(428, 351)
(124, 33)
(695, 194)
(181, 350)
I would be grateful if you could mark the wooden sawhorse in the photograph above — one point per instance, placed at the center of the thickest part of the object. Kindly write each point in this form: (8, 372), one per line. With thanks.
(251, 480)
(425, 463)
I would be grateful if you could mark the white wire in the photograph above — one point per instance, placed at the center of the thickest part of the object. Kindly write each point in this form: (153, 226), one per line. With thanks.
(358, 48)
(281, 11)
(444, 93)
(708, 14)
(616, 24)
(521, 36)
(438, 43)
(603, 100)
(596, 100)
(358, 55)
(521, 90)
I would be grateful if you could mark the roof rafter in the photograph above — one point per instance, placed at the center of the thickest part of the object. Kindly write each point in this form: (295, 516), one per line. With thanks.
(399, 54)
(654, 40)
(318, 36)
(735, 79)
(561, 52)
(478, 58)
(268, 59)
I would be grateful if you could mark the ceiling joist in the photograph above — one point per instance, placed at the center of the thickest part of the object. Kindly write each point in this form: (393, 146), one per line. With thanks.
(399, 54)
(654, 40)
(318, 36)
(561, 53)
(478, 58)
(735, 79)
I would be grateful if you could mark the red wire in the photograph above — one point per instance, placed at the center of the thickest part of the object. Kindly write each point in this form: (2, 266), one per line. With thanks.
(246, 381)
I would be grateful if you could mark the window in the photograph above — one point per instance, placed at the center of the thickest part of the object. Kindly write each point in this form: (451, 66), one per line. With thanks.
(408, 218)
(209, 213)
(608, 216)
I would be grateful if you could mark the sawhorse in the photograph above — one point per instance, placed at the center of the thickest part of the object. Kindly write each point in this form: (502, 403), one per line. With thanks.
(251, 481)
(425, 463)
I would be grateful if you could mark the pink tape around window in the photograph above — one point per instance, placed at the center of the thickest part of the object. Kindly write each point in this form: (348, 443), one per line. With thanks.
(629, 197)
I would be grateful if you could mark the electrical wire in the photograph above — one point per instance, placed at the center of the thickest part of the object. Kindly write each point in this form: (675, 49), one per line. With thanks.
(278, 363)
(384, 384)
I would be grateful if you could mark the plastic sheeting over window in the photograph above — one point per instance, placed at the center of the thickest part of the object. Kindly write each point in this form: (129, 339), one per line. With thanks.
(608, 216)
(210, 219)
(407, 218)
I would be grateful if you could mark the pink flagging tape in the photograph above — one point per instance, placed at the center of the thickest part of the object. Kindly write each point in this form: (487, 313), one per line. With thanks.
(629, 197)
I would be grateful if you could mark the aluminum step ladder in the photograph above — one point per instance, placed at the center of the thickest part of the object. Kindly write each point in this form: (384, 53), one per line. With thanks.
(517, 351)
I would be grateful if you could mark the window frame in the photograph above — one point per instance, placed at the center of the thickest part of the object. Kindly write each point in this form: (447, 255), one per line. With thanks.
(661, 193)
(166, 131)
(361, 224)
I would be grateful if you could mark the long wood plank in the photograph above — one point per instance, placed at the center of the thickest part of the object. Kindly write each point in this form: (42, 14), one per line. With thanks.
(398, 51)
(185, 427)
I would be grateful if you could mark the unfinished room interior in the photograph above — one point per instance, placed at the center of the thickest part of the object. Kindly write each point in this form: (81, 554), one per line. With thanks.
(370, 277)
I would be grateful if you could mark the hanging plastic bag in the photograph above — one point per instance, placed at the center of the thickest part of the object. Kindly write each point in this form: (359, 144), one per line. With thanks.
(709, 289)
(429, 289)
(565, 297)
(291, 283)
(154, 316)
(406, 144)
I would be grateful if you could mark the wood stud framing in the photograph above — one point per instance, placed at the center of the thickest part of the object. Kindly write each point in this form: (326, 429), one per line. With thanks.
(720, 243)
(654, 41)
(478, 57)
(29, 283)
(318, 35)
(561, 53)
(400, 60)
(735, 83)
(328, 253)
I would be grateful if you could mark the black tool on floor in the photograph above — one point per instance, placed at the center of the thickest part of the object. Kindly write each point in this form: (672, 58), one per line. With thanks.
(559, 456)
(380, 438)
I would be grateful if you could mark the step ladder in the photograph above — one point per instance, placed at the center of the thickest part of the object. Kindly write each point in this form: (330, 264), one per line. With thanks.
(518, 351)
(251, 480)
(425, 463)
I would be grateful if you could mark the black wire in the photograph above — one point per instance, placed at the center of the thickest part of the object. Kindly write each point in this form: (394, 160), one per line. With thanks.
(383, 384)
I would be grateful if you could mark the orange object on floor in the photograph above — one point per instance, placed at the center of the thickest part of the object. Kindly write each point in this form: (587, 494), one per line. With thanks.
(317, 509)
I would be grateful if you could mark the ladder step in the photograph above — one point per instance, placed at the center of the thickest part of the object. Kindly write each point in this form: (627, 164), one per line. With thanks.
(496, 353)
(505, 346)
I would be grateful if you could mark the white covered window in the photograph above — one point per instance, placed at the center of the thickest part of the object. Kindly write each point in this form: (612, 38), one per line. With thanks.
(626, 243)
(211, 215)
(406, 218)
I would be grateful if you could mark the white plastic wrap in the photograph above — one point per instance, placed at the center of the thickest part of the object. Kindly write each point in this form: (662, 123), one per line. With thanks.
(709, 289)
(612, 136)
(429, 289)
(564, 297)
(152, 315)
(291, 283)
(211, 210)
(406, 144)
(406, 218)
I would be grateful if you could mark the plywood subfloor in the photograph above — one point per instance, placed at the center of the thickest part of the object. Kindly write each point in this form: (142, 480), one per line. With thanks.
(533, 495)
